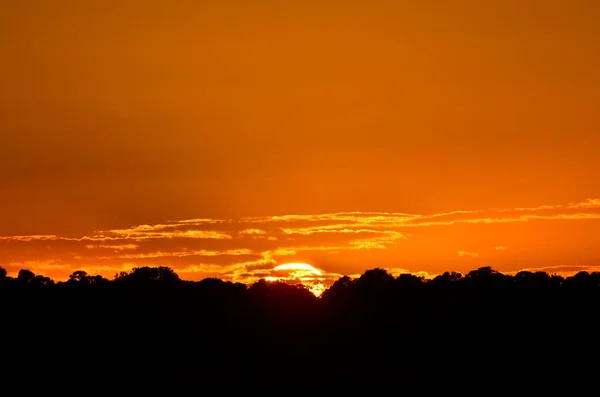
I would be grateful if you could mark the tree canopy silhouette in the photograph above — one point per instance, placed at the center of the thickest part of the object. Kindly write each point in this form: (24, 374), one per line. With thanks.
(417, 329)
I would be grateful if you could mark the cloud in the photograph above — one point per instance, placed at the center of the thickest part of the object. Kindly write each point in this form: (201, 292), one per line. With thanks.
(121, 247)
(38, 265)
(370, 243)
(30, 238)
(161, 254)
(143, 234)
(395, 271)
(589, 203)
(200, 221)
(246, 248)
(50, 268)
(561, 270)
(253, 232)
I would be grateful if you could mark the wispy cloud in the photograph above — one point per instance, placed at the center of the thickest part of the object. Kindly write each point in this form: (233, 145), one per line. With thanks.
(121, 247)
(161, 254)
(253, 232)
(396, 271)
(162, 233)
(561, 270)
(38, 265)
(30, 238)
(247, 248)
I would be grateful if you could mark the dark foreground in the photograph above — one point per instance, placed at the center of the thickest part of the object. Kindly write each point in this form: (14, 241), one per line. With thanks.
(148, 331)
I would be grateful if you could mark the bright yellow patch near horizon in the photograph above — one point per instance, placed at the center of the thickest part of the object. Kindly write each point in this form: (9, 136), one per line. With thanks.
(308, 275)
(299, 266)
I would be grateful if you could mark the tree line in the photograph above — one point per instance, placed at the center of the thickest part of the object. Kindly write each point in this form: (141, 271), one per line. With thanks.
(150, 325)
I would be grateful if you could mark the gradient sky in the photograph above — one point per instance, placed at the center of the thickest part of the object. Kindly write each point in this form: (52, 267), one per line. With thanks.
(467, 133)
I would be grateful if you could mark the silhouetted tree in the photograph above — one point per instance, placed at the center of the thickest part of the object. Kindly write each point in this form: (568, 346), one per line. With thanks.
(377, 329)
(146, 274)
(374, 287)
(409, 281)
(41, 281)
(340, 289)
(486, 277)
(25, 276)
(581, 283)
(534, 280)
(277, 290)
(376, 278)
(447, 278)
(81, 277)
(78, 275)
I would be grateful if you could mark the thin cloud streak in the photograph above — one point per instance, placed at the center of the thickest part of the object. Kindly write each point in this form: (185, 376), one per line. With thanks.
(253, 232)
(560, 270)
(272, 239)
(160, 254)
(121, 247)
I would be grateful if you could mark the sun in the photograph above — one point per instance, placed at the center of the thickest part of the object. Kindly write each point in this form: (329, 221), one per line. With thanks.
(302, 267)
(311, 277)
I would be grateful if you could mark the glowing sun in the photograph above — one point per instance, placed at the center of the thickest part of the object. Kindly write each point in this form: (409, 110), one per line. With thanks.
(301, 267)
(311, 277)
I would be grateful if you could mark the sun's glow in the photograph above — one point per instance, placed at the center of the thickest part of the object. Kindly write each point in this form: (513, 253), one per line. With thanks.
(308, 275)
(298, 266)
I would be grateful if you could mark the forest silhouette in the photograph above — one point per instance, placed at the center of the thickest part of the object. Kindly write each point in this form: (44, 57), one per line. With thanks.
(149, 327)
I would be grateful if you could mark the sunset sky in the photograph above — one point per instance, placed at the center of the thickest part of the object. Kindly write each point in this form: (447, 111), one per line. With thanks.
(224, 138)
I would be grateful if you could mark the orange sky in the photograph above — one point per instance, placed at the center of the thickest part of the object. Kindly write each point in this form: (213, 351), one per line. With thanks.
(116, 114)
